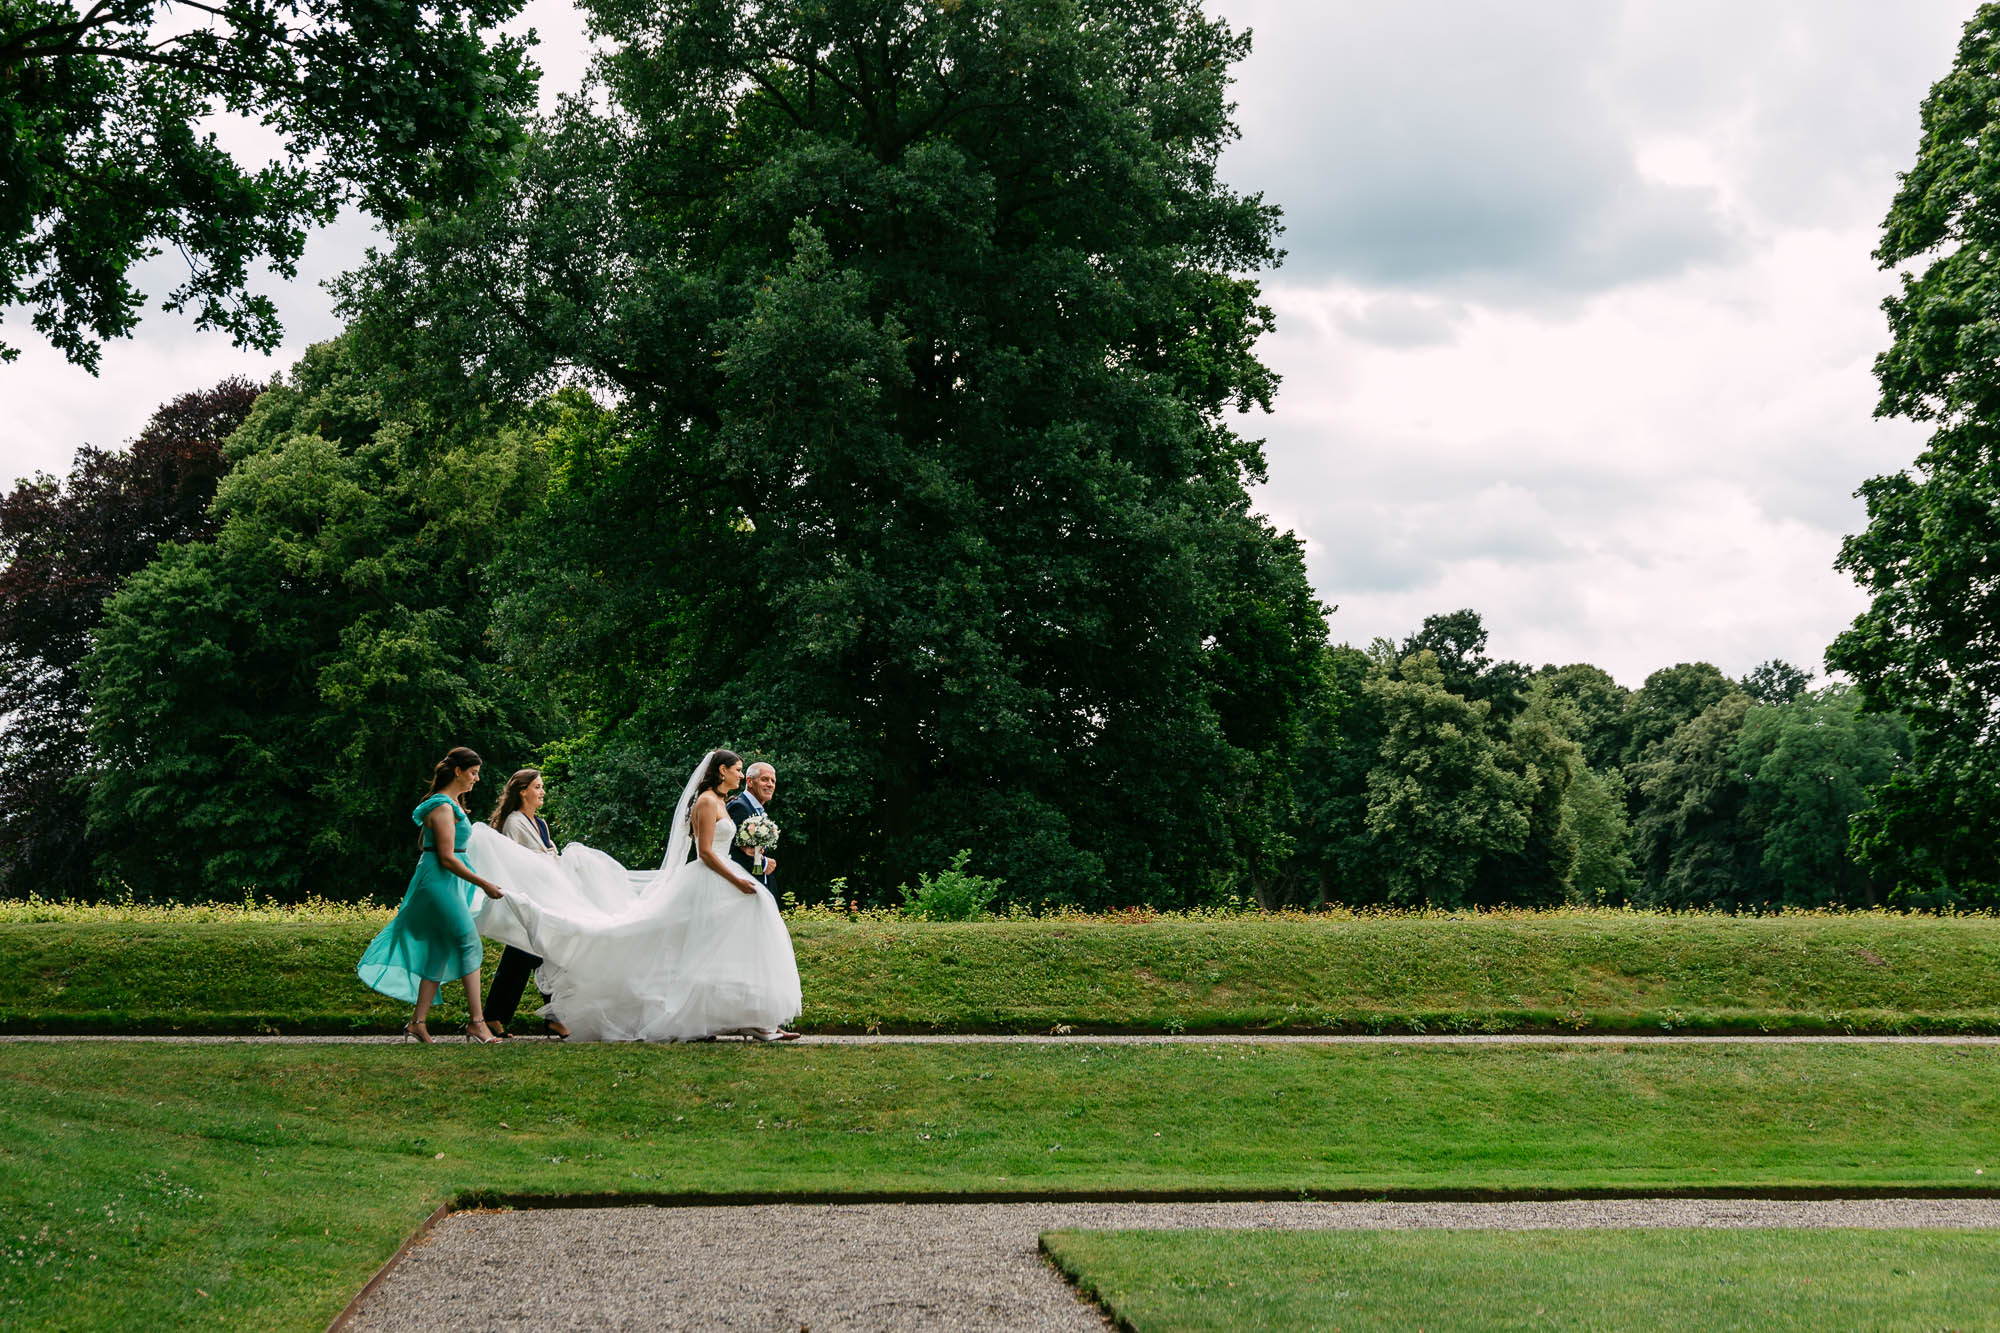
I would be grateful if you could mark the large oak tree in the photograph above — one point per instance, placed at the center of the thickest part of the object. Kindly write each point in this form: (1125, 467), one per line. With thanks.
(925, 323)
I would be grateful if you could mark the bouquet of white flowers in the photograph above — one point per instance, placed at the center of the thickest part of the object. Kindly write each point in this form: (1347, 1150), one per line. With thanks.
(759, 833)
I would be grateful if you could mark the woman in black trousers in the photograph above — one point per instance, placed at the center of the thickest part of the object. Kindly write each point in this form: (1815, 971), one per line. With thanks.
(519, 817)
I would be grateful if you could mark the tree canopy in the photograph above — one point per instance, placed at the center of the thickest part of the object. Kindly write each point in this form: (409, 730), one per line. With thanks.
(924, 323)
(1458, 642)
(1669, 698)
(267, 703)
(1928, 646)
(1776, 682)
(1813, 765)
(67, 546)
(103, 160)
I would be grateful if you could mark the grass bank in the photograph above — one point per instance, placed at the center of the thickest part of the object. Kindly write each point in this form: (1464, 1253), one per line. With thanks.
(252, 1187)
(1494, 1280)
(223, 970)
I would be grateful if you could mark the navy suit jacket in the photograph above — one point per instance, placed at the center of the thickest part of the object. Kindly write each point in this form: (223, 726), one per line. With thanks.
(741, 806)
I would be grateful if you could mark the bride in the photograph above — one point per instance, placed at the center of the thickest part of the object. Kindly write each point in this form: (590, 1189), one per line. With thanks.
(691, 951)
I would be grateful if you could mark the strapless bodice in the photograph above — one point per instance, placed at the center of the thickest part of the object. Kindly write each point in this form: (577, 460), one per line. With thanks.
(724, 836)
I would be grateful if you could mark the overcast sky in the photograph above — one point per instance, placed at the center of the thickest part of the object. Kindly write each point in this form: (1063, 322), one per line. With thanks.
(1575, 327)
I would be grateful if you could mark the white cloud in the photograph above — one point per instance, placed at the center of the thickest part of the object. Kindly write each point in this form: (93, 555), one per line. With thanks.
(1661, 475)
(53, 406)
(1622, 407)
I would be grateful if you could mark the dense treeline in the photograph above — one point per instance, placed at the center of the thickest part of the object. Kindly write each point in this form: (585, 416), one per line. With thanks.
(68, 546)
(855, 386)
(258, 698)
(285, 624)
(1446, 778)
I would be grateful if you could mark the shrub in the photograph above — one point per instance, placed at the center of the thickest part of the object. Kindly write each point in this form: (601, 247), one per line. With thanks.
(953, 894)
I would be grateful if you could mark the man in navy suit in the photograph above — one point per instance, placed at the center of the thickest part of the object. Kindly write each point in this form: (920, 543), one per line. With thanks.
(759, 784)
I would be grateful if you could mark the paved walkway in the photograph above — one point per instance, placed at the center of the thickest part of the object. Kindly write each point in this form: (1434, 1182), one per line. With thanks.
(866, 1267)
(1191, 1039)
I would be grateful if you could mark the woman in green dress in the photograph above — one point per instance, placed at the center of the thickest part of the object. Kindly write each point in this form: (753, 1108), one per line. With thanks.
(432, 939)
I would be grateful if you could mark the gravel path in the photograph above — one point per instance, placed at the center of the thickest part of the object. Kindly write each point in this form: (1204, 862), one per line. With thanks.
(915, 1266)
(1157, 1039)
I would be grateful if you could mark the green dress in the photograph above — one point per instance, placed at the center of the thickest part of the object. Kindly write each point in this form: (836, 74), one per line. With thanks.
(432, 937)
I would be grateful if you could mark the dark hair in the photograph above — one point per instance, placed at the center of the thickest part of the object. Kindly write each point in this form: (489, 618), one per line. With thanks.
(449, 767)
(510, 798)
(711, 777)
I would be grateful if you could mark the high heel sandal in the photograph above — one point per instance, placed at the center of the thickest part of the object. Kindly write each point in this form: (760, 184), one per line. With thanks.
(557, 1032)
(415, 1031)
(488, 1040)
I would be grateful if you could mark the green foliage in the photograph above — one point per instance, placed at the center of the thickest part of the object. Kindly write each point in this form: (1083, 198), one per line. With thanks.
(1749, 806)
(1442, 794)
(1539, 873)
(392, 105)
(1458, 642)
(1427, 795)
(1334, 857)
(1602, 711)
(1420, 784)
(1594, 813)
(925, 324)
(266, 706)
(1670, 698)
(1928, 646)
(35, 909)
(1811, 766)
(1690, 841)
(67, 546)
(1776, 682)
(953, 894)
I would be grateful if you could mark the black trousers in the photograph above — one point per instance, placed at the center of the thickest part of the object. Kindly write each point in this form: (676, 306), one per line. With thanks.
(509, 980)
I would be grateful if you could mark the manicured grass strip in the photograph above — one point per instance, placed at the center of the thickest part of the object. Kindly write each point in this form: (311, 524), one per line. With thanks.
(258, 1186)
(1353, 1281)
(1557, 971)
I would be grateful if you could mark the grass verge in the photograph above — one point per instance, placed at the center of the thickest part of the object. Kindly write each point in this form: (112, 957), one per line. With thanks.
(256, 1187)
(1191, 1281)
(1577, 971)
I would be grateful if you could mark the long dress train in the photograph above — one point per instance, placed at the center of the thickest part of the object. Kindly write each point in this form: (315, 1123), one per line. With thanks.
(671, 956)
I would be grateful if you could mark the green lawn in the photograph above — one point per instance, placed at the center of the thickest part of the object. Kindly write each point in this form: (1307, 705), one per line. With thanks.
(258, 1186)
(1552, 971)
(1352, 1281)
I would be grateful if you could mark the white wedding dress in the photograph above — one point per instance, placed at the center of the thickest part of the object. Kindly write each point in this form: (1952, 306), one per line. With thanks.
(673, 955)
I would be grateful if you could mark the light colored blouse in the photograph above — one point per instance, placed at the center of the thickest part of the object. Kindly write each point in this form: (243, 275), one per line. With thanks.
(528, 832)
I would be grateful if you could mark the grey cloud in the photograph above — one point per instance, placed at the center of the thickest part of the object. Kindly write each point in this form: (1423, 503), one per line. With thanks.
(1566, 562)
(1816, 103)
(1401, 321)
(1374, 548)
(1460, 149)
(1386, 516)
